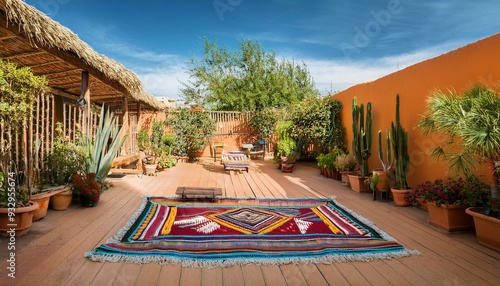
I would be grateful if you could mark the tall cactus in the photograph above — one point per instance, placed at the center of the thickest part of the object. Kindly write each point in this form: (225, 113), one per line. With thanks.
(362, 134)
(388, 161)
(400, 148)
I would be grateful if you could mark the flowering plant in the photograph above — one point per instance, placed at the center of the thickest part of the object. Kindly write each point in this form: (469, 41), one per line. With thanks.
(86, 186)
(454, 191)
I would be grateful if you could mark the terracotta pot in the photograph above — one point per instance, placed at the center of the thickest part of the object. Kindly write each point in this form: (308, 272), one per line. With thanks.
(150, 169)
(399, 197)
(383, 183)
(43, 205)
(61, 201)
(23, 219)
(450, 218)
(487, 228)
(358, 183)
(345, 178)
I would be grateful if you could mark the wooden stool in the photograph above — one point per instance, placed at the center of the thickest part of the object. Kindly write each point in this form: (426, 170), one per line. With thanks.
(198, 193)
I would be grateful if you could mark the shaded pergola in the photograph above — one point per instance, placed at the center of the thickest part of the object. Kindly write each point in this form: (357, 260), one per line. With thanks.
(73, 69)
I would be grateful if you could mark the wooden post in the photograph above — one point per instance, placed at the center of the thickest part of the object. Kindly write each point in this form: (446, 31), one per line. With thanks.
(85, 93)
(126, 126)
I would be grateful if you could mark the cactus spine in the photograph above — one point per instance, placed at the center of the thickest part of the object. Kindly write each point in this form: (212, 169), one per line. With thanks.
(362, 134)
(400, 148)
(387, 163)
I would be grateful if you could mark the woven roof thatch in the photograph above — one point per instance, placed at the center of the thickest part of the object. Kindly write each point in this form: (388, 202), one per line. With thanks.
(30, 38)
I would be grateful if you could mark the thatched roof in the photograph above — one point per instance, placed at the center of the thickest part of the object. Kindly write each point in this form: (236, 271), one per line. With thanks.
(30, 38)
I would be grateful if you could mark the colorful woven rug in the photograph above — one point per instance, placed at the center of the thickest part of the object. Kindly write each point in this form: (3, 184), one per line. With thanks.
(244, 231)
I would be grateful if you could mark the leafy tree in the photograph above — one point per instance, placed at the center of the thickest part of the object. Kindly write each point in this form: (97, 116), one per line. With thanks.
(192, 129)
(264, 122)
(245, 80)
(317, 121)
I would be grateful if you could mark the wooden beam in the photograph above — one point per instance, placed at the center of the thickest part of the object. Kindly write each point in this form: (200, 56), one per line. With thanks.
(63, 93)
(45, 64)
(126, 125)
(25, 54)
(85, 93)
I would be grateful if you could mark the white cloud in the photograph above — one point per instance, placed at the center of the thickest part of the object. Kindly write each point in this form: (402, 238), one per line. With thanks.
(164, 80)
(338, 75)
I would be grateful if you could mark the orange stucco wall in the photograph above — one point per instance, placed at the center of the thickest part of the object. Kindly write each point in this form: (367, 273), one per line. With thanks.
(478, 62)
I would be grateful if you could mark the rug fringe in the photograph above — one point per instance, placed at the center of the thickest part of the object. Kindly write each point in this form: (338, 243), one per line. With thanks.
(329, 259)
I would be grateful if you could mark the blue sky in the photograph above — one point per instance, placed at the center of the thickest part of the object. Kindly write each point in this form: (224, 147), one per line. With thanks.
(342, 42)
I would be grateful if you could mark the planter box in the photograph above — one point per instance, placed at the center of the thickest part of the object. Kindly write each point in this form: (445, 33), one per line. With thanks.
(345, 178)
(358, 184)
(487, 228)
(399, 197)
(450, 218)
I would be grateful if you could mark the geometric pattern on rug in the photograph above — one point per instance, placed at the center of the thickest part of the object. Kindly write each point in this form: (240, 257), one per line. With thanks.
(239, 231)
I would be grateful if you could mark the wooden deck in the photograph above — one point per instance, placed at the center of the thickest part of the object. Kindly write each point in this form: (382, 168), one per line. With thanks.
(52, 252)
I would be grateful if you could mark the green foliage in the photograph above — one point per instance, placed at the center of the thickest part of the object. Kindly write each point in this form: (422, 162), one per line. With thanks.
(100, 155)
(335, 132)
(192, 129)
(65, 159)
(245, 80)
(345, 163)
(373, 181)
(362, 138)
(143, 140)
(453, 191)
(330, 159)
(156, 136)
(167, 161)
(18, 89)
(286, 147)
(400, 148)
(168, 139)
(264, 121)
(471, 124)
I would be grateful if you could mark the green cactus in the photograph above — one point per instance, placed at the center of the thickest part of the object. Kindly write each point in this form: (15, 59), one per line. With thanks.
(387, 163)
(362, 134)
(400, 148)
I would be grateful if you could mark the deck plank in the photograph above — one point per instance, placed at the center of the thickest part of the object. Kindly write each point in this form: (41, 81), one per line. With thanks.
(52, 252)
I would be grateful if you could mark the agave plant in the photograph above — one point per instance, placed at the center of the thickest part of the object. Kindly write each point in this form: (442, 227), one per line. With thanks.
(471, 122)
(100, 154)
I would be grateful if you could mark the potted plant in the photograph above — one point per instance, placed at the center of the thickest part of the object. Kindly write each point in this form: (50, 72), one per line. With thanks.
(102, 149)
(65, 160)
(345, 164)
(286, 152)
(16, 209)
(19, 88)
(86, 188)
(320, 159)
(150, 165)
(402, 161)
(361, 143)
(383, 174)
(193, 129)
(470, 123)
(448, 199)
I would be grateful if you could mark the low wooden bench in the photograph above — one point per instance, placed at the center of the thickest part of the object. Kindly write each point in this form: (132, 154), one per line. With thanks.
(118, 164)
(198, 193)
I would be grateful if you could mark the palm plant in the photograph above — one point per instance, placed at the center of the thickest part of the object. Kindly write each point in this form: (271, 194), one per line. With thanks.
(471, 123)
(99, 153)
